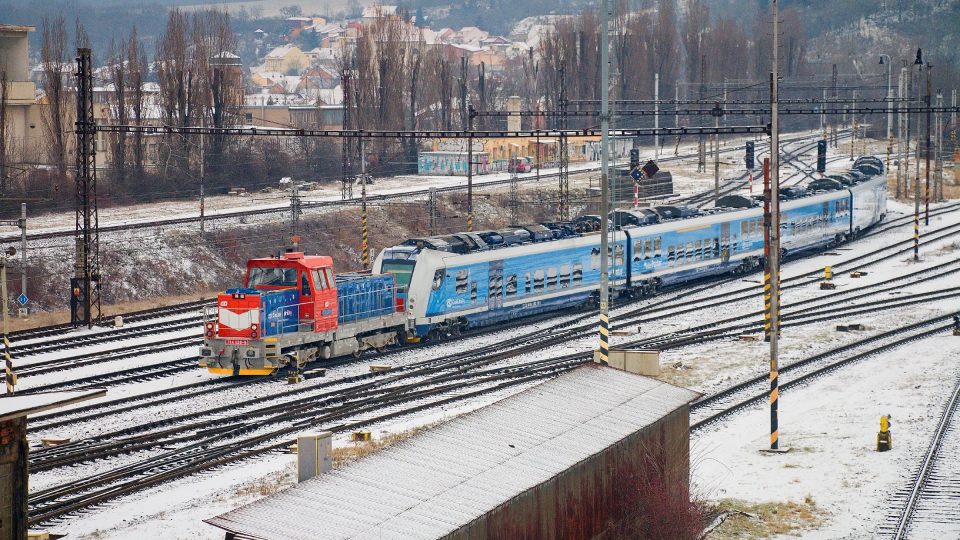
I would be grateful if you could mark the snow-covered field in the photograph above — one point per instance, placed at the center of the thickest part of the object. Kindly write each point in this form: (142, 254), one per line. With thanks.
(831, 424)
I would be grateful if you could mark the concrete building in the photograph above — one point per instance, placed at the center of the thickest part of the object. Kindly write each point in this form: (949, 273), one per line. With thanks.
(593, 453)
(24, 125)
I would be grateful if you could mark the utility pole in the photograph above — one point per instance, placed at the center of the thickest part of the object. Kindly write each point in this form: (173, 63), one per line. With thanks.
(926, 190)
(432, 210)
(85, 285)
(774, 236)
(201, 183)
(9, 377)
(916, 184)
(470, 170)
(938, 168)
(656, 113)
(514, 197)
(364, 246)
(908, 93)
(604, 181)
(23, 252)
(717, 113)
(889, 108)
(853, 124)
(295, 216)
(900, 130)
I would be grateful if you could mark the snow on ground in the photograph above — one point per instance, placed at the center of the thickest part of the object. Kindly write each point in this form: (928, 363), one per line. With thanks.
(831, 426)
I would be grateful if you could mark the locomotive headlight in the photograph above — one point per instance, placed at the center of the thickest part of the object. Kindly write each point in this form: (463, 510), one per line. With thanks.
(205, 351)
(251, 353)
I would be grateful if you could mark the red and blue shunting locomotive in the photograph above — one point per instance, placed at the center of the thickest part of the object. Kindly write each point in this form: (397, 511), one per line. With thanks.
(292, 310)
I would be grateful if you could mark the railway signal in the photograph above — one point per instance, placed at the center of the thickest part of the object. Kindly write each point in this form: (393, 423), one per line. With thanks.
(821, 156)
(750, 156)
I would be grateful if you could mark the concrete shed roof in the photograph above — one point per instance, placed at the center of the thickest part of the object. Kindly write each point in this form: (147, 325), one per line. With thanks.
(17, 405)
(440, 480)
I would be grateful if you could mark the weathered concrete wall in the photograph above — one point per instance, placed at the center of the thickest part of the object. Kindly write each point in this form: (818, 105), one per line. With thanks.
(617, 493)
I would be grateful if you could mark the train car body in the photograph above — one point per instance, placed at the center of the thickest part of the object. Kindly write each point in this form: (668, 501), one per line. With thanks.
(447, 291)
(293, 309)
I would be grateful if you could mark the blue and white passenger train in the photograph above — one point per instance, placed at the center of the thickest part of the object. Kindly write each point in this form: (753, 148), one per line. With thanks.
(468, 280)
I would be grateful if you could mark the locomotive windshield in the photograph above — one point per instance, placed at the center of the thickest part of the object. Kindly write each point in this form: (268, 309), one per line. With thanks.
(401, 271)
(272, 277)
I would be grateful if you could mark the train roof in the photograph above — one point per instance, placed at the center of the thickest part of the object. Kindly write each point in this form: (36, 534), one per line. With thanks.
(472, 242)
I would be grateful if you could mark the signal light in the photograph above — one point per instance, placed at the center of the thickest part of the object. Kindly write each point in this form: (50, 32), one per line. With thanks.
(634, 157)
(821, 156)
(209, 332)
(749, 159)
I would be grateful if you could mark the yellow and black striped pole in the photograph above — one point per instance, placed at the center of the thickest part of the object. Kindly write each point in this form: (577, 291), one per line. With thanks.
(364, 247)
(604, 338)
(766, 304)
(9, 376)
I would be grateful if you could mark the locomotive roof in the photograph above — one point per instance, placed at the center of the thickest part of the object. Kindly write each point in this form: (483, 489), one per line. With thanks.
(293, 259)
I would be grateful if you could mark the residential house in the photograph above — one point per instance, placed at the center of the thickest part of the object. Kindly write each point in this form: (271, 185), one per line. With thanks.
(286, 59)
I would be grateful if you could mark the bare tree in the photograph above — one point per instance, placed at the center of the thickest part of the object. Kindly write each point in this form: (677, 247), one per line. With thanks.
(56, 70)
(136, 68)
(118, 75)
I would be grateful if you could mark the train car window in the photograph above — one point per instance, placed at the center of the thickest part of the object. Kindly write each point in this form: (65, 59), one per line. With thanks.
(595, 258)
(656, 247)
(538, 280)
(744, 228)
(564, 276)
(528, 283)
(319, 280)
(577, 272)
(734, 244)
(716, 247)
(698, 250)
(671, 255)
(512, 285)
(647, 248)
(551, 278)
(463, 276)
(689, 251)
(473, 291)
(618, 255)
(638, 250)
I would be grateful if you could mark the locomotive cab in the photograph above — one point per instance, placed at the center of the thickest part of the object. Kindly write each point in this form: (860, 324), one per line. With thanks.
(312, 279)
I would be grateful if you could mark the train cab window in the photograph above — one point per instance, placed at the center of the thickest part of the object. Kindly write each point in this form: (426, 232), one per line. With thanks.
(332, 281)
(647, 249)
(272, 277)
(512, 285)
(577, 272)
(320, 280)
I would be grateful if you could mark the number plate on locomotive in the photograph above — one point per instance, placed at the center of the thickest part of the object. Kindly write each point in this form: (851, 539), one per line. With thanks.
(238, 342)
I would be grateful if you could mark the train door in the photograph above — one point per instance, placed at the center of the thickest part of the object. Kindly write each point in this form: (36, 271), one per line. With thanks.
(306, 297)
(725, 242)
(324, 299)
(495, 285)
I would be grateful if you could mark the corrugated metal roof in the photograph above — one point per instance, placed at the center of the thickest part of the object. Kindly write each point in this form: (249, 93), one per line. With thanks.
(440, 480)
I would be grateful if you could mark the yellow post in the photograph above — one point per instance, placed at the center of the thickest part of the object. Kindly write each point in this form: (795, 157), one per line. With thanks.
(827, 276)
(884, 439)
(827, 273)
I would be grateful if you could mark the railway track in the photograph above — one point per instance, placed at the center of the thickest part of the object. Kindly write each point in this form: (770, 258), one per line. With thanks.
(709, 409)
(930, 507)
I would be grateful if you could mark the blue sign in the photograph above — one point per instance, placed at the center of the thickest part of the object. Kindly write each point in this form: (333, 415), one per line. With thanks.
(22, 299)
(636, 174)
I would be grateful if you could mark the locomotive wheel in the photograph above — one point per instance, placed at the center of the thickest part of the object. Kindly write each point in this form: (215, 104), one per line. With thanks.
(325, 352)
